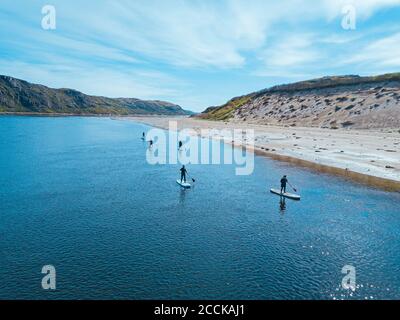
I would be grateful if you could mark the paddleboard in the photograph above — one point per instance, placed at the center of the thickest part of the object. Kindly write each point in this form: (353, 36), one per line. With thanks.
(183, 184)
(286, 195)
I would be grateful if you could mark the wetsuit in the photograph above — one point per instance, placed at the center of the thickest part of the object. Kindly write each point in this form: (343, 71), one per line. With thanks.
(284, 181)
(183, 174)
(180, 145)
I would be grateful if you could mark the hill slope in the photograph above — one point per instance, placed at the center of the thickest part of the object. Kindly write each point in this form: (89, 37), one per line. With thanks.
(330, 102)
(24, 97)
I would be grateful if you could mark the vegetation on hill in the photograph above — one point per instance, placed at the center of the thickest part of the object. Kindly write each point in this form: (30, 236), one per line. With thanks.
(225, 111)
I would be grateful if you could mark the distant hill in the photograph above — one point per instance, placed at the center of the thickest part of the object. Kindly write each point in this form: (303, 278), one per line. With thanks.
(18, 96)
(329, 102)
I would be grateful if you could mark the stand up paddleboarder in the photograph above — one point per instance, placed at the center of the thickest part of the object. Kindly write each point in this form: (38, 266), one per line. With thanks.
(284, 181)
(183, 174)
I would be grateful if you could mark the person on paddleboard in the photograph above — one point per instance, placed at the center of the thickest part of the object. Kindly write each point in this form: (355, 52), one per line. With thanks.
(284, 182)
(183, 174)
(143, 136)
(151, 143)
(180, 145)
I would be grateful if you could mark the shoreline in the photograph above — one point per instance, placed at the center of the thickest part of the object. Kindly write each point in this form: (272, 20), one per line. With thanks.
(307, 160)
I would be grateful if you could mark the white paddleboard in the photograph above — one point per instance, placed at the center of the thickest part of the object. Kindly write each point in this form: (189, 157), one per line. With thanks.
(286, 195)
(183, 184)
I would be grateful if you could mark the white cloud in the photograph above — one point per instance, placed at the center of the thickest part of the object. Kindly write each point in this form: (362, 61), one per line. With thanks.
(290, 56)
(195, 33)
(384, 52)
(340, 39)
(184, 33)
(206, 33)
(290, 51)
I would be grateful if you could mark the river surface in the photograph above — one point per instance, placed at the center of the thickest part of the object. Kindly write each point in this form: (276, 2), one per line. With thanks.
(79, 194)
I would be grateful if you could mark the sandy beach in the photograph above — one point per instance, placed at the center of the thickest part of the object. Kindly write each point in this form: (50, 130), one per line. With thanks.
(367, 156)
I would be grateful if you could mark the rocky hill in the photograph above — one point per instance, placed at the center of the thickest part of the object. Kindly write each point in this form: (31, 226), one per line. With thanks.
(330, 102)
(18, 96)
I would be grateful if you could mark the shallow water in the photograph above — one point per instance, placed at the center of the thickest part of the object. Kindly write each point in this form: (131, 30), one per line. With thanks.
(77, 193)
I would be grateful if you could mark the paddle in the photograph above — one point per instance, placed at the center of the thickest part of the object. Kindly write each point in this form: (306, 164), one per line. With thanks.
(294, 189)
(192, 179)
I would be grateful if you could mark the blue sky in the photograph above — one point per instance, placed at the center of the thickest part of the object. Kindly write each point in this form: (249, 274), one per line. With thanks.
(196, 53)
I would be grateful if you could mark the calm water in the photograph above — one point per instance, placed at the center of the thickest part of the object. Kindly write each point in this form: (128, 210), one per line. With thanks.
(78, 193)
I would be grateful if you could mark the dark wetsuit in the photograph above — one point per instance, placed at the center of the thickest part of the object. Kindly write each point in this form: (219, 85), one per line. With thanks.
(183, 174)
(180, 145)
(284, 181)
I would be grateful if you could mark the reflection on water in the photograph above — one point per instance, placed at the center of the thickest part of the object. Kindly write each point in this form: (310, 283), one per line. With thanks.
(182, 195)
(282, 205)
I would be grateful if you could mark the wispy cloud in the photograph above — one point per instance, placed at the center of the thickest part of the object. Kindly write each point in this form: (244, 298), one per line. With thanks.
(290, 51)
(384, 52)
